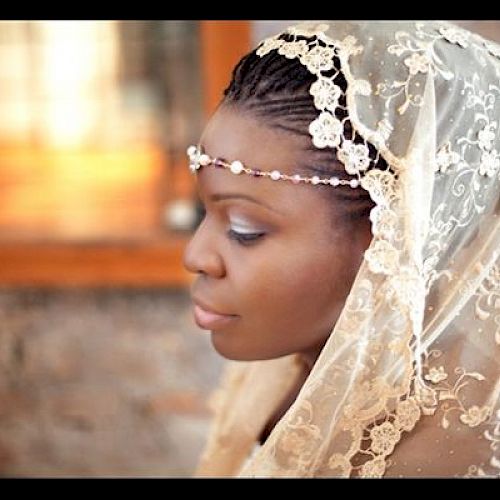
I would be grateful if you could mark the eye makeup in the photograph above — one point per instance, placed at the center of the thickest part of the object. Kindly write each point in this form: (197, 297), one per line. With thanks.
(243, 232)
(241, 225)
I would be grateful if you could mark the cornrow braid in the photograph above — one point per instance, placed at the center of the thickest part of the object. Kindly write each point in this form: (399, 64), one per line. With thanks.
(276, 89)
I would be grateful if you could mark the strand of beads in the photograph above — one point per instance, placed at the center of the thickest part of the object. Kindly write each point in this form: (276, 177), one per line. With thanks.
(199, 159)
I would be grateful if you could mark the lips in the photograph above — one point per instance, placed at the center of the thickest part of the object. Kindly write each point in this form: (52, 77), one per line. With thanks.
(209, 319)
(206, 307)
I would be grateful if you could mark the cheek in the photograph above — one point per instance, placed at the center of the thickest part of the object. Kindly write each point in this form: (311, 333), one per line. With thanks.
(314, 293)
(292, 290)
(289, 299)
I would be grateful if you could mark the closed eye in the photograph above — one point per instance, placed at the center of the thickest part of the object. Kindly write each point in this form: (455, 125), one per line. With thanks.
(244, 238)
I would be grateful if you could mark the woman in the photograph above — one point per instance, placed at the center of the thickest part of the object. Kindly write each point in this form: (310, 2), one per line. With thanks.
(351, 240)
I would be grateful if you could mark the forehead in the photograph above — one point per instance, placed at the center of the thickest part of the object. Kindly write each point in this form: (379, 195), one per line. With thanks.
(232, 134)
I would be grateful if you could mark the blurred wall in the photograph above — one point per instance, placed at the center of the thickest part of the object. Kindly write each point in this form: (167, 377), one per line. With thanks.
(107, 381)
(102, 383)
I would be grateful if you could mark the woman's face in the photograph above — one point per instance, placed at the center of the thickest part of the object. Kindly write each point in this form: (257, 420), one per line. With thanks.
(288, 284)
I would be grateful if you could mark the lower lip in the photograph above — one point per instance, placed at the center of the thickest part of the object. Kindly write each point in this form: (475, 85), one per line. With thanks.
(209, 320)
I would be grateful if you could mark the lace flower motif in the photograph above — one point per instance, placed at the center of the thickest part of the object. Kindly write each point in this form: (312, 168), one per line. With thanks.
(407, 414)
(445, 158)
(383, 221)
(297, 440)
(404, 287)
(338, 461)
(436, 375)
(293, 49)
(475, 415)
(349, 47)
(292, 442)
(326, 130)
(426, 397)
(382, 258)
(493, 280)
(418, 63)
(354, 157)
(326, 94)
(490, 163)
(308, 29)
(318, 59)
(454, 35)
(373, 468)
(380, 184)
(384, 437)
(268, 45)
(487, 136)
(362, 87)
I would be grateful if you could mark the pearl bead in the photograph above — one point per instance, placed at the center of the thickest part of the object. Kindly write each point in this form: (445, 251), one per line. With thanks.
(275, 175)
(315, 180)
(334, 181)
(191, 150)
(192, 167)
(236, 167)
(296, 179)
(354, 183)
(205, 160)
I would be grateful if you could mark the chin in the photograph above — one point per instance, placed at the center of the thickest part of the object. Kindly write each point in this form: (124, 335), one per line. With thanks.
(227, 350)
(238, 351)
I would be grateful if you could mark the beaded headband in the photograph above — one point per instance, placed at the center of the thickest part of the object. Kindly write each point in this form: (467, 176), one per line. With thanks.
(198, 159)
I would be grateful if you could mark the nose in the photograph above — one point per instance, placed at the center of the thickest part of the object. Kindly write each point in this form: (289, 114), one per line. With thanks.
(201, 255)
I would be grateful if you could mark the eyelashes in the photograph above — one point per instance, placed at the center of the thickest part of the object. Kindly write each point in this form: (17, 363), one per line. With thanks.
(245, 239)
(242, 238)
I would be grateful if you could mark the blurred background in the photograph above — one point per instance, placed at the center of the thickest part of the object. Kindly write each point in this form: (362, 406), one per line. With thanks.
(103, 371)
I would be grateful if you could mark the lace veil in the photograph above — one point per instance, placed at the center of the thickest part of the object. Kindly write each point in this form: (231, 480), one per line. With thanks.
(408, 381)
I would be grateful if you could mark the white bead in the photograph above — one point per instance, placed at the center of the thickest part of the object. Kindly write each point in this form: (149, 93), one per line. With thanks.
(275, 175)
(334, 181)
(205, 160)
(354, 183)
(192, 167)
(191, 150)
(296, 179)
(236, 167)
(315, 180)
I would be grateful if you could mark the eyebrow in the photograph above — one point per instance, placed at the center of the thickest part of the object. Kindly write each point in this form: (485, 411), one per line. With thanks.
(230, 196)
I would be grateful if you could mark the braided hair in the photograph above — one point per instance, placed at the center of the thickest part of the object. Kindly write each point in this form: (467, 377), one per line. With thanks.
(276, 89)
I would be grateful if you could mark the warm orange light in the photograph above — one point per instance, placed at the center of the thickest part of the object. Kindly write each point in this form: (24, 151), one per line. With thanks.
(68, 195)
(73, 57)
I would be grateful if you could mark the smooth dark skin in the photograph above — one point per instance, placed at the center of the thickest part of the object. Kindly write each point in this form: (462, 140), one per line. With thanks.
(289, 286)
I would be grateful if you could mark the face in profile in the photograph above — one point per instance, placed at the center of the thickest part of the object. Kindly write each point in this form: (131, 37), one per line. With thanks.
(267, 252)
